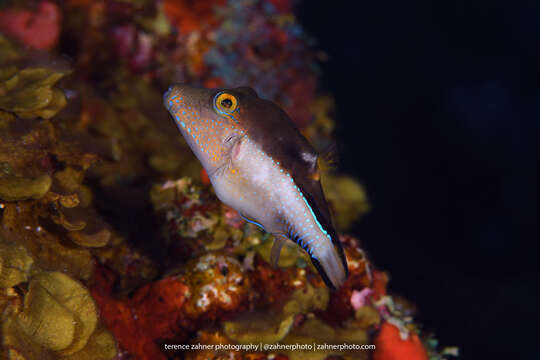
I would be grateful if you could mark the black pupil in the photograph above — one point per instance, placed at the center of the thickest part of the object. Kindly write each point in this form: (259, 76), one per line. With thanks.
(226, 103)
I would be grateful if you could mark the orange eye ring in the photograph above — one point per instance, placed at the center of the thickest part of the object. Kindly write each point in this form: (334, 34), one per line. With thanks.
(225, 103)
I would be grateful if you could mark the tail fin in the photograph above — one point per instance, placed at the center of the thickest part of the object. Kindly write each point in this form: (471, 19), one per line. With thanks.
(330, 264)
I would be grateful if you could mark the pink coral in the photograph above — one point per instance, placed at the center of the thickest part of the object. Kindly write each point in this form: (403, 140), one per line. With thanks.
(38, 30)
(361, 298)
(134, 46)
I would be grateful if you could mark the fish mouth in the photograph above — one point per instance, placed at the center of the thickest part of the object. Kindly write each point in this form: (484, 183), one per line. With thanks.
(169, 90)
(185, 95)
(167, 102)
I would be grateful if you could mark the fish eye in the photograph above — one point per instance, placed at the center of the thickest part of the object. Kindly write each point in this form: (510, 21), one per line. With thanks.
(224, 102)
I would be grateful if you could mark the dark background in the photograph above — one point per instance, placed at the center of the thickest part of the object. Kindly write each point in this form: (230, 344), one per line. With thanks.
(438, 108)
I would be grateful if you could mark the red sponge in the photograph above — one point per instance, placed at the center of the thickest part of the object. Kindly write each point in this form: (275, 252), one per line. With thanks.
(389, 345)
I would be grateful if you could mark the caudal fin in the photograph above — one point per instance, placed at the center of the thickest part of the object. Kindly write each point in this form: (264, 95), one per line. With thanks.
(330, 265)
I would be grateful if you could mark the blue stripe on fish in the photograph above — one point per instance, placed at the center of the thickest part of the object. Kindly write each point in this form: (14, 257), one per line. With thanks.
(253, 222)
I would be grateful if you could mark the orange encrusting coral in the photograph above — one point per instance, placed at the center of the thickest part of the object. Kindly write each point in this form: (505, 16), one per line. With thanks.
(380, 281)
(187, 15)
(389, 345)
(152, 313)
(274, 283)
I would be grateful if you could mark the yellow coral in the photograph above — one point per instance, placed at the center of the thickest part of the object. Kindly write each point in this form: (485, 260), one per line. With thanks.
(100, 346)
(15, 264)
(70, 318)
(315, 331)
(347, 198)
(29, 93)
(307, 299)
(58, 320)
(268, 327)
(20, 224)
(14, 188)
(98, 239)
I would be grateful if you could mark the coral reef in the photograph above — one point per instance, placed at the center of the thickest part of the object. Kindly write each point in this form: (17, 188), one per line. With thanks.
(112, 243)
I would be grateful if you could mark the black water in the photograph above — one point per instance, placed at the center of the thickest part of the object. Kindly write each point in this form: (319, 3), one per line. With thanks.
(438, 105)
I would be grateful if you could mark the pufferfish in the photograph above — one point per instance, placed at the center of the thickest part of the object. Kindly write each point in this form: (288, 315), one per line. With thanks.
(260, 164)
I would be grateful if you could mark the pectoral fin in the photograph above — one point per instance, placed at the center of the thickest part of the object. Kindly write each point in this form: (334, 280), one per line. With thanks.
(279, 240)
